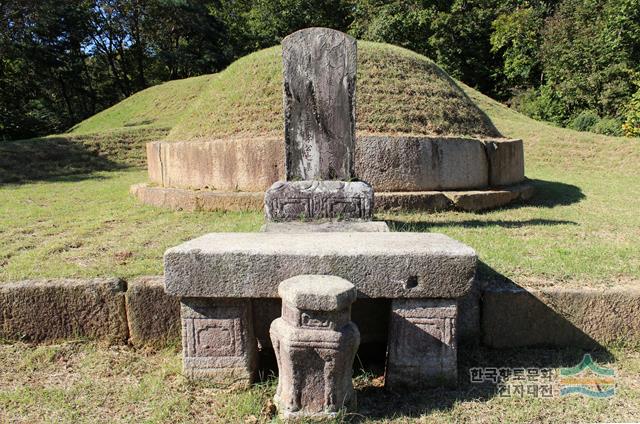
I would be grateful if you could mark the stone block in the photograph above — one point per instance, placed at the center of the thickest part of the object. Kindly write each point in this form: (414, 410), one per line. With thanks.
(172, 198)
(218, 341)
(473, 201)
(506, 162)
(154, 162)
(387, 265)
(393, 164)
(315, 344)
(431, 201)
(319, 67)
(229, 201)
(225, 165)
(46, 310)
(312, 200)
(153, 315)
(325, 227)
(560, 317)
(422, 347)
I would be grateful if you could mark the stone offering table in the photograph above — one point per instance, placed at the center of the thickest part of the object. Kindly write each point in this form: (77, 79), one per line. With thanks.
(219, 275)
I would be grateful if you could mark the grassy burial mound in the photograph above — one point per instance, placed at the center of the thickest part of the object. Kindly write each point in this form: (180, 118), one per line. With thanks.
(398, 92)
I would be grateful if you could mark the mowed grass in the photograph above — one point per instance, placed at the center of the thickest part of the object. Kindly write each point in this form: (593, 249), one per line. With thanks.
(581, 228)
(83, 382)
(89, 225)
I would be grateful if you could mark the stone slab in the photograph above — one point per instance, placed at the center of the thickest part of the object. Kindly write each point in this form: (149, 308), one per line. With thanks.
(427, 201)
(192, 200)
(431, 201)
(153, 316)
(325, 227)
(319, 68)
(47, 310)
(422, 347)
(234, 164)
(506, 162)
(313, 200)
(218, 341)
(560, 317)
(473, 201)
(388, 265)
(422, 163)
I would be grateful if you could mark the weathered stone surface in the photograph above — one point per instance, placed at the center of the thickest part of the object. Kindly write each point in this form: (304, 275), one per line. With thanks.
(218, 341)
(560, 317)
(250, 265)
(229, 201)
(172, 198)
(222, 165)
(431, 201)
(315, 344)
(317, 292)
(298, 200)
(422, 349)
(421, 163)
(190, 200)
(469, 313)
(39, 310)
(472, 201)
(153, 316)
(319, 67)
(325, 227)
(506, 162)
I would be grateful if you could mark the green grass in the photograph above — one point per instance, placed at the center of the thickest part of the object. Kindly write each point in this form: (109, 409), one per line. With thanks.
(160, 106)
(84, 382)
(90, 226)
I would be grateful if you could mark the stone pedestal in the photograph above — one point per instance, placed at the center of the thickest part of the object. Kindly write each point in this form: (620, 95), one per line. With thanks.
(310, 200)
(315, 344)
(422, 349)
(218, 340)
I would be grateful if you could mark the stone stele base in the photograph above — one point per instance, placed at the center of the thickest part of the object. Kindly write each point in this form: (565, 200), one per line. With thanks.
(425, 201)
(312, 200)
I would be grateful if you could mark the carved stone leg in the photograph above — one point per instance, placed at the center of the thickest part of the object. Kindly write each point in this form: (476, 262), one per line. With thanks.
(422, 349)
(315, 344)
(218, 341)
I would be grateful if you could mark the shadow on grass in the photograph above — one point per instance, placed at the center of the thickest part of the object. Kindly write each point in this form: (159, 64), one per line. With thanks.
(52, 158)
(549, 194)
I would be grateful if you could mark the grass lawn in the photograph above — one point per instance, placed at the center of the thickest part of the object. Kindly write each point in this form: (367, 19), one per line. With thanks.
(85, 382)
(582, 227)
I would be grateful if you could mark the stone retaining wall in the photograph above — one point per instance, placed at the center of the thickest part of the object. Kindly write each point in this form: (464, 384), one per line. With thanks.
(389, 164)
(141, 313)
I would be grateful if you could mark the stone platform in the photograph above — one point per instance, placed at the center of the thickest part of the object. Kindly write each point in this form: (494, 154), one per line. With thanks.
(222, 278)
(379, 264)
(425, 201)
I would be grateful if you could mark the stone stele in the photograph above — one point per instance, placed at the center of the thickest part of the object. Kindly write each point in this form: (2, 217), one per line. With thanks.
(319, 66)
(315, 344)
